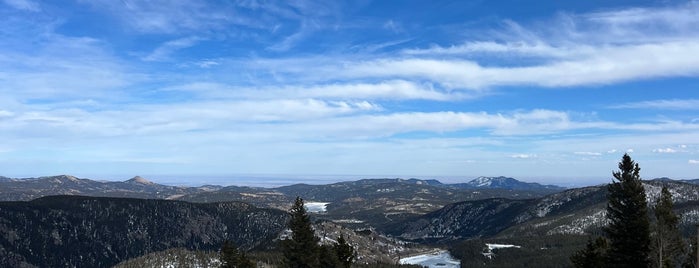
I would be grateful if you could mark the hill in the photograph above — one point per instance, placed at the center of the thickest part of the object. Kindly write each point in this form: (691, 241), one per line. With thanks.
(79, 231)
(575, 211)
(137, 187)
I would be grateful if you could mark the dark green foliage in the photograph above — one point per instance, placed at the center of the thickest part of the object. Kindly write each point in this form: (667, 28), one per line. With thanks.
(537, 251)
(485, 217)
(690, 259)
(327, 257)
(344, 251)
(593, 256)
(231, 257)
(301, 249)
(80, 231)
(174, 257)
(629, 228)
(667, 248)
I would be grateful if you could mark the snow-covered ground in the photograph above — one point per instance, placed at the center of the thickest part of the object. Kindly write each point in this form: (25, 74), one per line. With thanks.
(489, 253)
(316, 207)
(437, 259)
(496, 246)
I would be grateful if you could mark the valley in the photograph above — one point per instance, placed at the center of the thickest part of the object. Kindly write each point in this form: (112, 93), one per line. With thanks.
(66, 220)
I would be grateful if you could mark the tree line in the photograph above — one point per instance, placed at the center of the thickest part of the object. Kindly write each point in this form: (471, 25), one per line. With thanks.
(634, 237)
(301, 249)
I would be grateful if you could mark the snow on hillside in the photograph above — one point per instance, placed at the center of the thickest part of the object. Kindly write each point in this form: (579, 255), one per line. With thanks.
(316, 207)
(435, 259)
(489, 252)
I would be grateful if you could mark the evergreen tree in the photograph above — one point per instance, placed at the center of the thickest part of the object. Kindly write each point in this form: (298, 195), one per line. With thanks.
(301, 250)
(667, 245)
(229, 255)
(593, 255)
(345, 252)
(327, 257)
(244, 261)
(690, 259)
(629, 228)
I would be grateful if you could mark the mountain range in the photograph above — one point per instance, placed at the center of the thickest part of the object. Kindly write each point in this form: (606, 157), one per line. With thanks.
(64, 220)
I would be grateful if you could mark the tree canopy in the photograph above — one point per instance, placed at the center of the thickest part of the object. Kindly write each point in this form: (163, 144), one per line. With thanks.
(627, 211)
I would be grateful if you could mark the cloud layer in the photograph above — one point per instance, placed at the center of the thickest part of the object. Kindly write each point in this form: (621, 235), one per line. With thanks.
(314, 87)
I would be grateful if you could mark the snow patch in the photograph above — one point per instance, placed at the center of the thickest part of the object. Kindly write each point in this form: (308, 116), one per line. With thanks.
(316, 207)
(435, 259)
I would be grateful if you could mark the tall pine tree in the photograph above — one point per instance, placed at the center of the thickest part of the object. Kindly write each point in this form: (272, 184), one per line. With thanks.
(231, 257)
(301, 250)
(667, 248)
(594, 255)
(627, 210)
(345, 252)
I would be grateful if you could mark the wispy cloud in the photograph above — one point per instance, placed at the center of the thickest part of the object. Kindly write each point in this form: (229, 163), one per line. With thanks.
(523, 156)
(164, 51)
(665, 150)
(589, 49)
(690, 104)
(693, 161)
(27, 5)
(588, 153)
(174, 16)
(386, 90)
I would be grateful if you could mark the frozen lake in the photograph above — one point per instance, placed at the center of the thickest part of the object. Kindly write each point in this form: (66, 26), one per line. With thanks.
(440, 259)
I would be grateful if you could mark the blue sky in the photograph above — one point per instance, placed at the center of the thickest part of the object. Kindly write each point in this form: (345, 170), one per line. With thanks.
(547, 91)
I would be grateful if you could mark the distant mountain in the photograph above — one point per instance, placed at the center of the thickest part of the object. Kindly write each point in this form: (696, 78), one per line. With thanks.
(574, 211)
(694, 181)
(137, 187)
(77, 231)
(506, 183)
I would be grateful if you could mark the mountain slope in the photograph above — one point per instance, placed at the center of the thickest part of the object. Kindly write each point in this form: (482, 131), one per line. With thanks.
(137, 187)
(99, 232)
(574, 211)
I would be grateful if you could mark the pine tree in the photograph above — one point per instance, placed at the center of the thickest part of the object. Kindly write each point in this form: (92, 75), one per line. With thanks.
(327, 257)
(229, 255)
(301, 250)
(629, 228)
(593, 255)
(345, 252)
(667, 245)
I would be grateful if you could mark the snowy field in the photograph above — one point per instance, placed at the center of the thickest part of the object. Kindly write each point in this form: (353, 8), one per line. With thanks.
(316, 207)
(438, 259)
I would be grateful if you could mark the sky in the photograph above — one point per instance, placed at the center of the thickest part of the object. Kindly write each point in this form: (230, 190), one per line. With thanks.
(546, 91)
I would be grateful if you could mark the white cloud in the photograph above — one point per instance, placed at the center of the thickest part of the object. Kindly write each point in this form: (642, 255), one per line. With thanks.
(612, 151)
(164, 51)
(207, 63)
(386, 90)
(174, 16)
(693, 162)
(27, 5)
(689, 104)
(523, 156)
(5, 113)
(587, 153)
(629, 150)
(589, 49)
(664, 150)
(608, 65)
